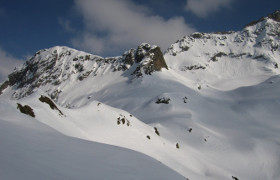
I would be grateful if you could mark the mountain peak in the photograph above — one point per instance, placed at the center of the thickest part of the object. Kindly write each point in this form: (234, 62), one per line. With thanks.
(53, 67)
(274, 16)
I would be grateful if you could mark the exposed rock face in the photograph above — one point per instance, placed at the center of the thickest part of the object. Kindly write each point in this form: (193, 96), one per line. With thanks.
(142, 51)
(55, 66)
(158, 61)
(149, 59)
(33, 69)
(4, 86)
(129, 57)
(275, 16)
(40, 70)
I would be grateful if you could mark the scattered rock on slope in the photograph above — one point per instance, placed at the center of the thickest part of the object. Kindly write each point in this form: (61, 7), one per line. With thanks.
(47, 100)
(26, 110)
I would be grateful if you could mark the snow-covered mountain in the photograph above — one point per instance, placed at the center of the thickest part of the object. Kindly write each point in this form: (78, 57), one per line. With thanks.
(219, 58)
(208, 108)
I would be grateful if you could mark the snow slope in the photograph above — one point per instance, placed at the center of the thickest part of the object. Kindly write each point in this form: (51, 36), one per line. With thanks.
(31, 150)
(210, 112)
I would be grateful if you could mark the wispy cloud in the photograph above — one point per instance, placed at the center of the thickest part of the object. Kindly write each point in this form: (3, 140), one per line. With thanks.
(202, 8)
(66, 24)
(7, 64)
(114, 25)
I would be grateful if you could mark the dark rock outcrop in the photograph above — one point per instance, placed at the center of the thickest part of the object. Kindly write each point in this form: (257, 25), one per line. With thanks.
(4, 86)
(48, 101)
(129, 57)
(31, 74)
(275, 16)
(26, 110)
(149, 59)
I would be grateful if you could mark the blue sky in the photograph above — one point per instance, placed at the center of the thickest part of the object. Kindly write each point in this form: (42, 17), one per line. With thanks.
(109, 27)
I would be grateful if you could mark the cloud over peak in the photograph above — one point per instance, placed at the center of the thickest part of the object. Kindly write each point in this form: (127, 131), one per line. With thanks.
(7, 63)
(112, 26)
(203, 8)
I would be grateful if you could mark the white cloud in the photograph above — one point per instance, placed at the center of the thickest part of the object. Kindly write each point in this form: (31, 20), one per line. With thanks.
(112, 26)
(203, 8)
(89, 42)
(7, 64)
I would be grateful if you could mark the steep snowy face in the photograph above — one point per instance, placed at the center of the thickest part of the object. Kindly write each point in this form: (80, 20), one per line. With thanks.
(58, 66)
(248, 56)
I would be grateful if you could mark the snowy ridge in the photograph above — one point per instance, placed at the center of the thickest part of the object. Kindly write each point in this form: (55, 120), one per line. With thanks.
(31, 150)
(213, 58)
(208, 108)
(58, 66)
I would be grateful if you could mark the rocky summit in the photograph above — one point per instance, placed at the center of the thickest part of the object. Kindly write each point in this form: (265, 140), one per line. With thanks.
(58, 65)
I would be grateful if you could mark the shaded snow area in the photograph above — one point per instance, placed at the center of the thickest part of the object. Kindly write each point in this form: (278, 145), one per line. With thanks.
(207, 108)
